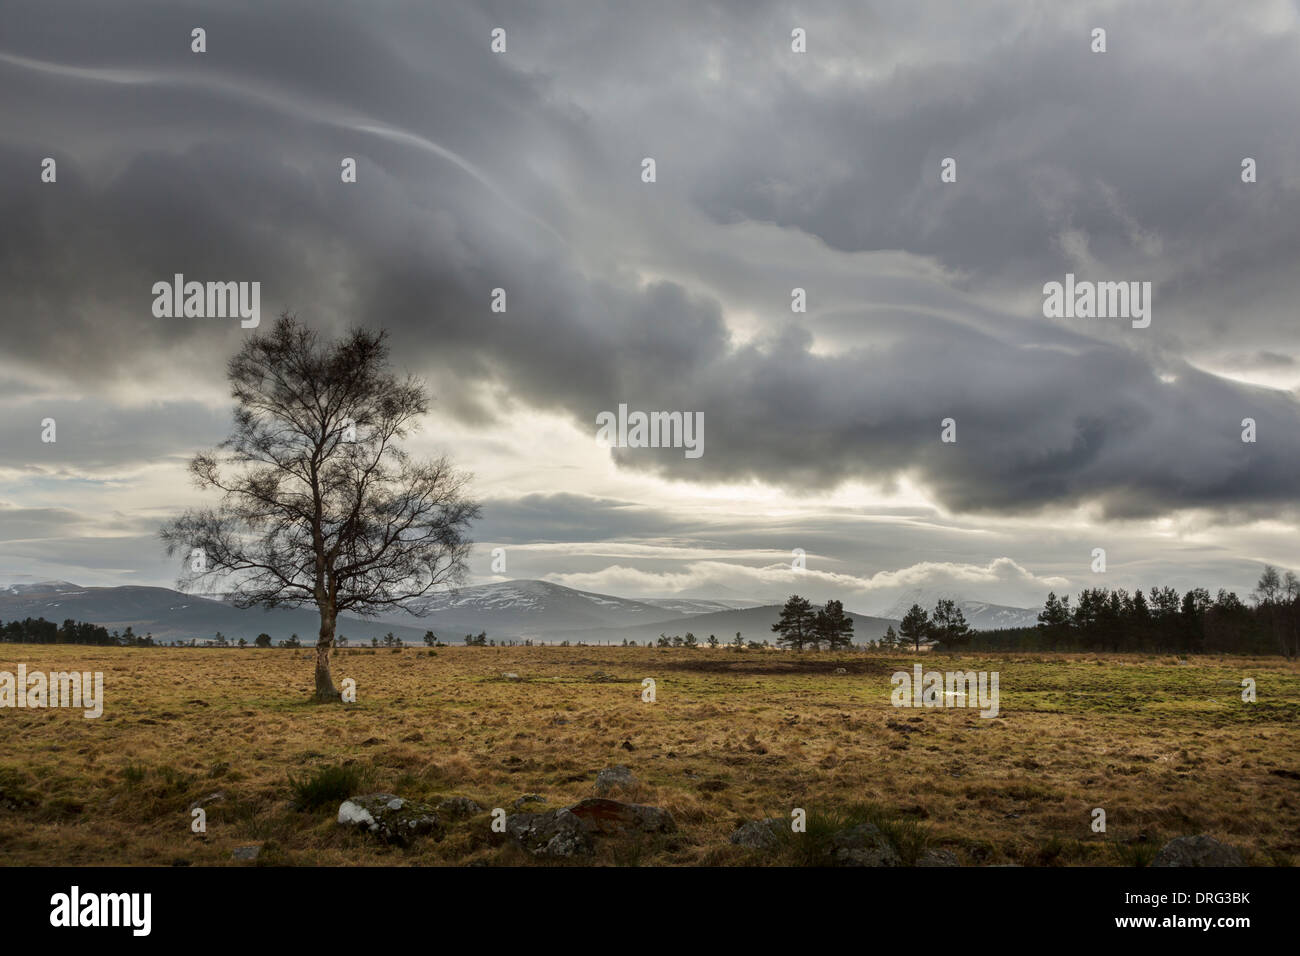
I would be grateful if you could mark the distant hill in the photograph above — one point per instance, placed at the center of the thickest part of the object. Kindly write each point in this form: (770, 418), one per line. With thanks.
(512, 610)
(684, 606)
(171, 615)
(508, 610)
(754, 624)
(980, 615)
(530, 609)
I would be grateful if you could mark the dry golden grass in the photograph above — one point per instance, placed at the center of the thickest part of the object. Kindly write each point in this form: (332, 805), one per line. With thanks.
(1166, 748)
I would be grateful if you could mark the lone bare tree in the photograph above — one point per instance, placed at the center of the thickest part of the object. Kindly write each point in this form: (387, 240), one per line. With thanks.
(320, 505)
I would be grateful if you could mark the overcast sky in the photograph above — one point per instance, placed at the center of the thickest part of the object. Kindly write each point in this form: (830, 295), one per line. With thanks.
(774, 170)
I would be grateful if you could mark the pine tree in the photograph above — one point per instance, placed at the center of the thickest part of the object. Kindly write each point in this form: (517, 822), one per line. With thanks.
(915, 627)
(948, 624)
(796, 623)
(890, 640)
(833, 627)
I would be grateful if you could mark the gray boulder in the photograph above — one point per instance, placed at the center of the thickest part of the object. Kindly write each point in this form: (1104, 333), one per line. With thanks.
(556, 834)
(611, 817)
(203, 803)
(389, 818)
(571, 831)
(457, 808)
(1199, 850)
(863, 845)
(613, 778)
(758, 834)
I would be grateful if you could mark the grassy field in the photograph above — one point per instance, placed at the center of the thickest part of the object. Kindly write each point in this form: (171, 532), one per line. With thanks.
(1166, 747)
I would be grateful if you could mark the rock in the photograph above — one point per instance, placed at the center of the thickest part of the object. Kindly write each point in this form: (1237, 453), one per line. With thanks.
(204, 802)
(529, 798)
(250, 852)
(389, 818)
(510, 675)
(554, 834)
(627, 745)
(863, 845)
(1199, 850)
(758, 834)
(458, 807)
(571, 831)
(937, 858)
(616, 777)
(610, 816)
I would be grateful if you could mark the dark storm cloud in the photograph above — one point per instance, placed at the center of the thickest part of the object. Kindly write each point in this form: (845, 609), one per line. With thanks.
(521, 171)
(538, 518)
(18, 523)
(96, 439)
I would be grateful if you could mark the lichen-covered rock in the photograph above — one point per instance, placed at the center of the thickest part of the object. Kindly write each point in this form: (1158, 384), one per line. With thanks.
(618, 777)
(571, 831)
(1199, 850)
(863, 845)
(204, 802)
(457, 808)
(557, 834)
(390, 818)
(758, 834)
(611, 816)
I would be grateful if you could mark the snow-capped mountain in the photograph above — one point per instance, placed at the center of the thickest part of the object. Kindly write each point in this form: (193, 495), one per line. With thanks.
(752, 623)
(526, 608)
(18, 587)
(980, 615)
(506, 610)
(172, 615)
(686, 606)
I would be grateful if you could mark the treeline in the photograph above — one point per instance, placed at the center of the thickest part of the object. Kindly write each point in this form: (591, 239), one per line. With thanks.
(1162, 620)
(40, 631)
(801, 625)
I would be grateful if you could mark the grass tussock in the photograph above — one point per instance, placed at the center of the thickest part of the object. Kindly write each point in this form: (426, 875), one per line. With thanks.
(326, 786)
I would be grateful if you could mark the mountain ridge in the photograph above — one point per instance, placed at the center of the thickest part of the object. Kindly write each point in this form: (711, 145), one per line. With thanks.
(522, 609)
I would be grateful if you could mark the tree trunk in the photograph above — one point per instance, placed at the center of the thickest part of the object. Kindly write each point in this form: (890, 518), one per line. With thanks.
(325, 689)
